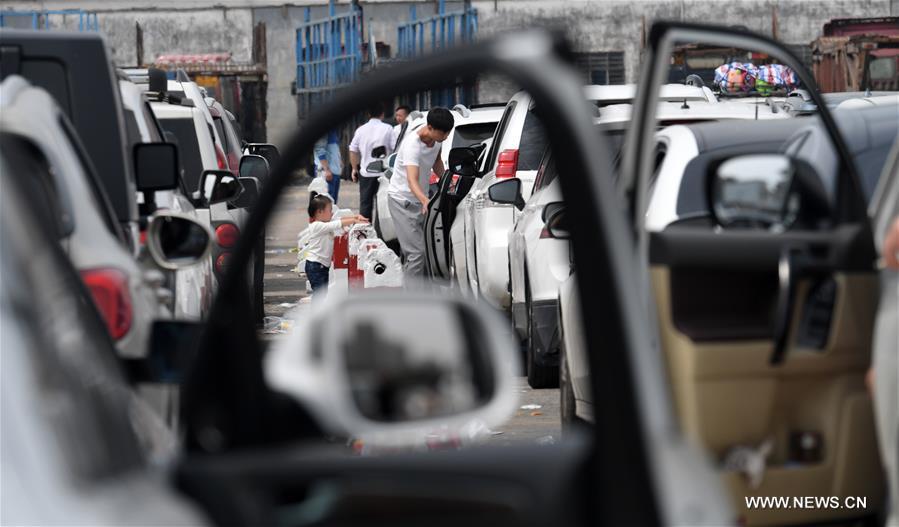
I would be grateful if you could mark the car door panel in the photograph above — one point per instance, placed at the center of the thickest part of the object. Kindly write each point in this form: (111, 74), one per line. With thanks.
(716, 296)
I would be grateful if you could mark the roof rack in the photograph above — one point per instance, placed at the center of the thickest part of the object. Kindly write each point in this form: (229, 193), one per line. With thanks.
(487, 105)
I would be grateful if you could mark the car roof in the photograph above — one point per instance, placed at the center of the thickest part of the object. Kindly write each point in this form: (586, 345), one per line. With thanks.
(718, 134)
(479, 115)
(165, 110)
(625, 93)
(696, 111)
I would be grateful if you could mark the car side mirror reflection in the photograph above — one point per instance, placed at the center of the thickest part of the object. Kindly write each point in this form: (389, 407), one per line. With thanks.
(462, 372)
(219, 186)
(255, 166)
(508, 192)
(769, 191)
(267, 150)
(557, 224)
(551, 208)
(463, 161)
(176, 241)
(156, 166)
(375, 167)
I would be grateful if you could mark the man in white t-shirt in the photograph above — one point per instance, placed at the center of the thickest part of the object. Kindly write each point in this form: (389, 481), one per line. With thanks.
(375, 134)
(418, 154)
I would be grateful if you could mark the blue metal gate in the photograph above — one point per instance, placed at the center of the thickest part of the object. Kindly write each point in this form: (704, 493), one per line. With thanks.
(87, 21)
(329, 55)
(444, 30)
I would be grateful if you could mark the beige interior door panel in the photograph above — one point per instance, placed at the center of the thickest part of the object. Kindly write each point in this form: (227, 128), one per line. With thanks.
(727, 394)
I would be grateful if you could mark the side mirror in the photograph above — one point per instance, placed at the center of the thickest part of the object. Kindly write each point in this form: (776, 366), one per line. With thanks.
(250, 194)
(508, 192)
(254, 166)
(409, 388)
(463, 161)
(176, 241)
(557, 224)
(391, 160)
(375, 167)
(156, 166)
(769, 191)
(551, 208)
(267, 150)
(219, 186)
(379, 152)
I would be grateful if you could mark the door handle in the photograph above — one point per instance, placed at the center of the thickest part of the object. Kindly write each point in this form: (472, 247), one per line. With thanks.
(794, 263)
(786, 277)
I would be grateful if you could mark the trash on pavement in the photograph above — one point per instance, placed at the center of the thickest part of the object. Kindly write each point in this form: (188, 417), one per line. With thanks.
(531, 407)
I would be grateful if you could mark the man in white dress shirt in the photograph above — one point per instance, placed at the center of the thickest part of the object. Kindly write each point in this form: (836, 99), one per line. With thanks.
(370, 137)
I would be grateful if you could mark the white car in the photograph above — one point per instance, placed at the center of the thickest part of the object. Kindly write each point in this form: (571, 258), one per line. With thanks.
(39, 141)
(197, 152)
(191, 286)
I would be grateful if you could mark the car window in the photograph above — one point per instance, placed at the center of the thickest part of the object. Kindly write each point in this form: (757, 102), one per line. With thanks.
(533, 142)
(220, 128)
(188, 148)
(498, 135)
(23, 157)
(660, 153)
(870, 164)
(235, 125)
(472, 134)
(539, 181)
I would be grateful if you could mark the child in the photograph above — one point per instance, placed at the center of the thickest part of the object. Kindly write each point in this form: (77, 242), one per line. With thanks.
(319, 236)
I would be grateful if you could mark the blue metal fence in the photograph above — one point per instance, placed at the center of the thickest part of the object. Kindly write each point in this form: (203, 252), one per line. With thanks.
(87, 21)
(329, 54)
(444, 30)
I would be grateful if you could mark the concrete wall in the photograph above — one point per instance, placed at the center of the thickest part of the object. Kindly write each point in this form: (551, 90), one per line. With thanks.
(202, 26)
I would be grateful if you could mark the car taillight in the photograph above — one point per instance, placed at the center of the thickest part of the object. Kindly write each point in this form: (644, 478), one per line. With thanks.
(507, 164)
(434, 178)
(143, 237)
(226, 235)
(109, 287)
(545, 233)
(220, 158)
(221, 263)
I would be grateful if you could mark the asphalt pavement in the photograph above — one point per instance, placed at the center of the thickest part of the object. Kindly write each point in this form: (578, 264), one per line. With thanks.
(536, 419)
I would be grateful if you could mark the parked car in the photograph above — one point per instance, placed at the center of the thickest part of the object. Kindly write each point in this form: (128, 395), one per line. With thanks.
(191, 286)
(39, 140)
(198, 158)
(78, 445)
(85, 87)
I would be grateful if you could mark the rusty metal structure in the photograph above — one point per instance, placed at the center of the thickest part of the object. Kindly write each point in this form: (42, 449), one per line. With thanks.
(857, 55)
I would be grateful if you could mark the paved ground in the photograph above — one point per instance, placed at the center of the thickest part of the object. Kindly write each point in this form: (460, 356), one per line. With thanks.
(536, 420)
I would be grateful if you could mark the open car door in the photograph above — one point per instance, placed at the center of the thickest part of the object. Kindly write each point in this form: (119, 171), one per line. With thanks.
(765, 306)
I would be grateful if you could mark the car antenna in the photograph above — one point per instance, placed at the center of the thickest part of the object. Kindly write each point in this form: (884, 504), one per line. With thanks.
(685, 106)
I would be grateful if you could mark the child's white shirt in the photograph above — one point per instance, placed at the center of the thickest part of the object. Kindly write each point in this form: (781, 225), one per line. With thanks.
(316, 241)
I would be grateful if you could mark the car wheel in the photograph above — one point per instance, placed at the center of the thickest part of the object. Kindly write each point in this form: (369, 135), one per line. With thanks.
(538, 376)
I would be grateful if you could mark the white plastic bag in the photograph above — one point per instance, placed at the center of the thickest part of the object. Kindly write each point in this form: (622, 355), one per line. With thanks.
(382, 268)
(358, 234)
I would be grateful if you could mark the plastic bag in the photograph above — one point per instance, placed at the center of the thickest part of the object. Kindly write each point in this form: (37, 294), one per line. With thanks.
(358, 234)
(382, 268)
(367, 246)
(736, 77)
(321, 186)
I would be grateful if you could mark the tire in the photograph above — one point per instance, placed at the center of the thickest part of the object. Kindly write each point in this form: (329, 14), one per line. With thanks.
(538, 376)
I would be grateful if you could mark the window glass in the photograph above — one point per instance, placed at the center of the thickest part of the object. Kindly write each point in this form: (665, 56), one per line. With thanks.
(472, 134)
(220, 128)
(533, 143)
(497, 137)
(188, 148)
